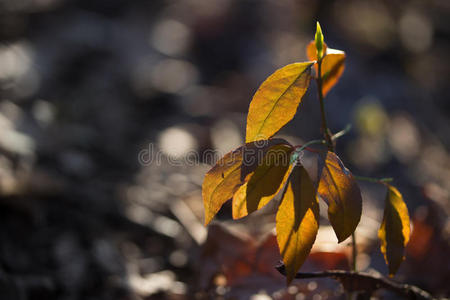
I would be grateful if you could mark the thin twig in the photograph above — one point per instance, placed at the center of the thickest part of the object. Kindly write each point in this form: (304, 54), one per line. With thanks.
(354, 252)
(342, 132)
(362, 281)
(305, 146)
(375, 180)
(324, 142)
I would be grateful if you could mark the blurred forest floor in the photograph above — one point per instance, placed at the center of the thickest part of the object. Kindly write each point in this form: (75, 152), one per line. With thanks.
(91, 90)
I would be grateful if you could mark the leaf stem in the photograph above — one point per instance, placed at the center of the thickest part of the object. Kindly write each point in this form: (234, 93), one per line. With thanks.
(342, 132)
(302, 147)
(374, 180)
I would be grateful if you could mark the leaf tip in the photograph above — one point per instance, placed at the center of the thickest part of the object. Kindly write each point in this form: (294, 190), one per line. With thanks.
(319, 40)
(344, 235)
(340, 238)
(207, 221)
(318, 28)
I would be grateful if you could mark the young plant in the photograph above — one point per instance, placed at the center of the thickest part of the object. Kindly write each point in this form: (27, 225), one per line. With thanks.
(265, 167)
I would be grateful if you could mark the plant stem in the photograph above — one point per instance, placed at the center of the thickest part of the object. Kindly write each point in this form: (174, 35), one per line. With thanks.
(328, 138)
(354, 252)
(325, 130)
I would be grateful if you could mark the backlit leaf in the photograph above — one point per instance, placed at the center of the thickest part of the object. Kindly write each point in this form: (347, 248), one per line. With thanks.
(276, 101)
(340, 190)
(222, 181)
(297, 221)
(311, 51)
(332, 65)
(394, 231)
(265, 183)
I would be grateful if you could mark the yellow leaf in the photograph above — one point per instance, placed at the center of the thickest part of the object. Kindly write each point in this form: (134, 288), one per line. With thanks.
(265, 183)
(222, 181)
(276, 101)
(340, 190)
(394, 231)
(297, 221)
(332, 65)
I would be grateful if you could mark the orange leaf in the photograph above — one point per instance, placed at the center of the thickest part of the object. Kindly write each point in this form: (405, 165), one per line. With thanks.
(276, 101)
(222, 181)
(297, 221)
(340, 190)
(394, 231)
(332, 69)
(265, 183)
(332, 65)
(311, 51)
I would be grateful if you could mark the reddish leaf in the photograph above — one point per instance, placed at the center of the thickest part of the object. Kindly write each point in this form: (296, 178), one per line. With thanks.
(332, 65)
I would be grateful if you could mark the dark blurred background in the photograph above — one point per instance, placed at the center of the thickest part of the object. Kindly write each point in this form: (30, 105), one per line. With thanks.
(87, 86)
